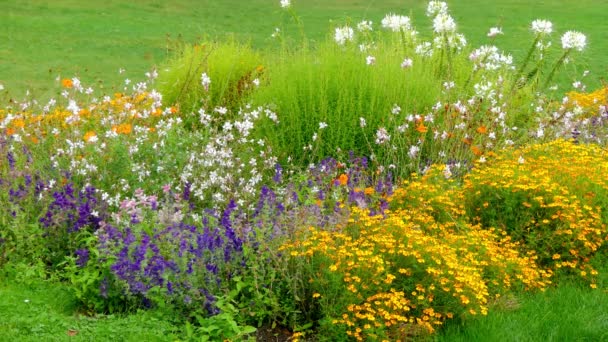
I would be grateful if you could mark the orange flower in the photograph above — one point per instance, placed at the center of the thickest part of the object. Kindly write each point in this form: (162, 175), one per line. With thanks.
(67, 83)
(476, 150)
(173, 110)
(368, 191)
(422, 128)
(482, 129)
(343, 179)
(122, 128)
(10, 131)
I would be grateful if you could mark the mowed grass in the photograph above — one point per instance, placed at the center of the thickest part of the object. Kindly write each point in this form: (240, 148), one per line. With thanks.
(40, 41)
(46, 311)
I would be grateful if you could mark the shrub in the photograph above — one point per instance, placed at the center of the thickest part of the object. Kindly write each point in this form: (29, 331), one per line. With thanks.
(550, 197)
(388, 276)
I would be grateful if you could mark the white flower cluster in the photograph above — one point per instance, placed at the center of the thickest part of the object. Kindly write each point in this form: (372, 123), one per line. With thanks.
(444, 23)
(397, 23)
(542, 27)
(490, 58)
(435, 8)
(494, 31)
(364, 26)
(285, 3)
(343, 35)
(574, 40)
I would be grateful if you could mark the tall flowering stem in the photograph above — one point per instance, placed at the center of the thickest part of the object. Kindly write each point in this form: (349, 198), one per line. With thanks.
(557, 65)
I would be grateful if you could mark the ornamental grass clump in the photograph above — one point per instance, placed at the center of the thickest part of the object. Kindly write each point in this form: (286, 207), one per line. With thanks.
(403, 274)
(210, 74)
(551, 198)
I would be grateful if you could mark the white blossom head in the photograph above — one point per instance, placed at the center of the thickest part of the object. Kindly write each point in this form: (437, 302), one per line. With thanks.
(285, 3)
(397, 23)
(574, 40)
(344, 34)
(444, 23)
(542, 27)
(435, 8)
(494, 31)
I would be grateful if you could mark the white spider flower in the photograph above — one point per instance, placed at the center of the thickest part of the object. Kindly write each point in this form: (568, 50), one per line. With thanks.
(364, 26)
(322, 125)
(542, 27)
(494, 31)
(285, 3)
(435, 8)
(370, 60)
(396, 23)
(574, 40)
(444, 23)
(407, 63)
(362, 122)
(343, 34)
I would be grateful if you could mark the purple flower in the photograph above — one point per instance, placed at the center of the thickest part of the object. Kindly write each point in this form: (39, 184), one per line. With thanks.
(11, 160)
(82, 257)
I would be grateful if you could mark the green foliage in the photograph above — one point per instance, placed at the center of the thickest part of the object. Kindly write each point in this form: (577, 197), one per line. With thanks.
(231, 67)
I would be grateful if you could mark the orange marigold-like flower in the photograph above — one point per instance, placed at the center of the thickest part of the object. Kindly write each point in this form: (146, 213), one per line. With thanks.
(343, 179)
(67, 83)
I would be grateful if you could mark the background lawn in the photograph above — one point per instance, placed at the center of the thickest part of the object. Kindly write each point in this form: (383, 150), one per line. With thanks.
(40, 40)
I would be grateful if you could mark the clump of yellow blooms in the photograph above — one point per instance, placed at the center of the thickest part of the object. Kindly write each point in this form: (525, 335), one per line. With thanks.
(589, 102)
(446, 249)
(407, 271)
(550, 197)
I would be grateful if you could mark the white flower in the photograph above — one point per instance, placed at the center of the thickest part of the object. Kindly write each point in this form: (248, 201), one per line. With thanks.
(382, 136)
(494, 31)
(322, 125)
(407, 63)
(413, 152)
(256, 82)
(444, 23)
(574, 40)
(543, 27)
(364, 26)
(396, 109)
(205, 81)
(396, 23)
(370, 60)
(521, 160)
(424, 49)
(435, 8)
(1, 87)
(362, 122)
(285, 3)
(343, 34)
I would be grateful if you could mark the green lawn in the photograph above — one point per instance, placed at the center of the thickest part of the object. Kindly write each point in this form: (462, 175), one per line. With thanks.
(40, 40)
